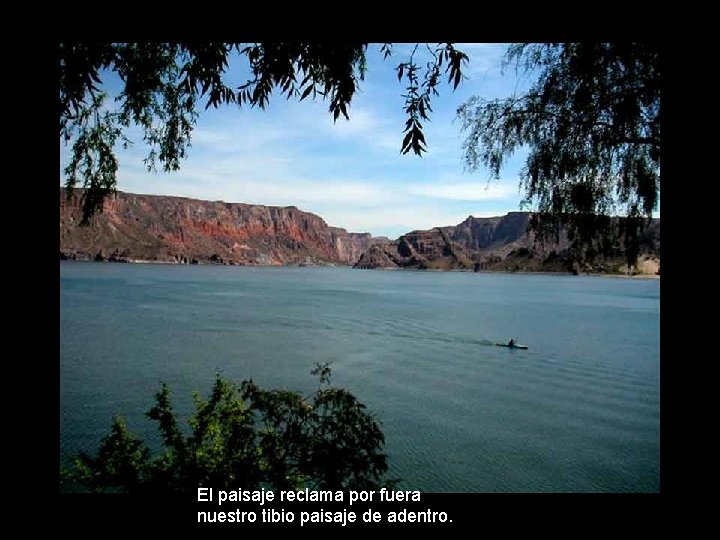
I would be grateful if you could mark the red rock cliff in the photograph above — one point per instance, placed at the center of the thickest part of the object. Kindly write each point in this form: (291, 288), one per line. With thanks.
(177, 229)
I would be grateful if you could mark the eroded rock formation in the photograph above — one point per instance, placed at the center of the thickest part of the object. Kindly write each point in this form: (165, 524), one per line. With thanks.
(181, 230)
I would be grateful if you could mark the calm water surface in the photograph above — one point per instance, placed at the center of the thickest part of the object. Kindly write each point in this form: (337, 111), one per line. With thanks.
(577, 412)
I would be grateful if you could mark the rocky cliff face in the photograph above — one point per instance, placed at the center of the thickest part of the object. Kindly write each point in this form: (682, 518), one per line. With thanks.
(483, 233)
(499, 244)
(181, 230)
(431, 249)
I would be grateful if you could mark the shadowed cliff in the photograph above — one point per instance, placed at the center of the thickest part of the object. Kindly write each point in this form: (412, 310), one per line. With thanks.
(500, 244)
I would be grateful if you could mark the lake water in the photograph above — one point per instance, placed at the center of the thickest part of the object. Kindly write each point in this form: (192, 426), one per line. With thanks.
(577, 412)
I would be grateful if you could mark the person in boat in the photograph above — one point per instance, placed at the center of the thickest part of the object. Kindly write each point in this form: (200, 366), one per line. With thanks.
(511, 343)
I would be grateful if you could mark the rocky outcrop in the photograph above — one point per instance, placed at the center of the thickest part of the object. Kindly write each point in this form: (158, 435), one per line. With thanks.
(484, 233)
(431, 249)
(501, 243)
(181, 230)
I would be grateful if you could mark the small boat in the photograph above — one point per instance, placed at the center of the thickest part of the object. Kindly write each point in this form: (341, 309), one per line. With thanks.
(511, 346)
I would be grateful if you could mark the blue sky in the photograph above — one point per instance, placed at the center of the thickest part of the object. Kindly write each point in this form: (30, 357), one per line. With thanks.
(350, 173)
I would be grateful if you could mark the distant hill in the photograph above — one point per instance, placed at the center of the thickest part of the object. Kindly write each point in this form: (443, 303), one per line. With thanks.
(499, 244)
(181, 230)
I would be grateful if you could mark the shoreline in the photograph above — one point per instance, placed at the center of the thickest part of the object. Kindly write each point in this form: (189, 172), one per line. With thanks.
(336, 265)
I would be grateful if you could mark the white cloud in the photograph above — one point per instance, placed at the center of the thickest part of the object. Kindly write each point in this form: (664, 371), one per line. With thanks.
(366, 127)
(484, 57)
(391, 220)
(468, 191)
(257, 179)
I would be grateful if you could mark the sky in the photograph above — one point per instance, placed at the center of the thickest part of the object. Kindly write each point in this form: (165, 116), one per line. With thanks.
(350, 173)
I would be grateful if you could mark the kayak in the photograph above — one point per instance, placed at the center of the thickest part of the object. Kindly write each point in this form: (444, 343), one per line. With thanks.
(511, 347)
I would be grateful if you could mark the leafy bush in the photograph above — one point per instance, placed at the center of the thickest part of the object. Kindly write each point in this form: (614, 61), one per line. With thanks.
(244, 437)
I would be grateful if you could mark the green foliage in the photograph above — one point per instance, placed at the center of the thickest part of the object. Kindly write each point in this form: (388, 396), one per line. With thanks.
(164, 85)
(118, 464)
(591, 121)
(242, 436)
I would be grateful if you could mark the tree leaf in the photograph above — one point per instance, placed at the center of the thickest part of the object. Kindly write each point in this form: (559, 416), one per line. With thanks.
(306, 93)
(406, 142)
